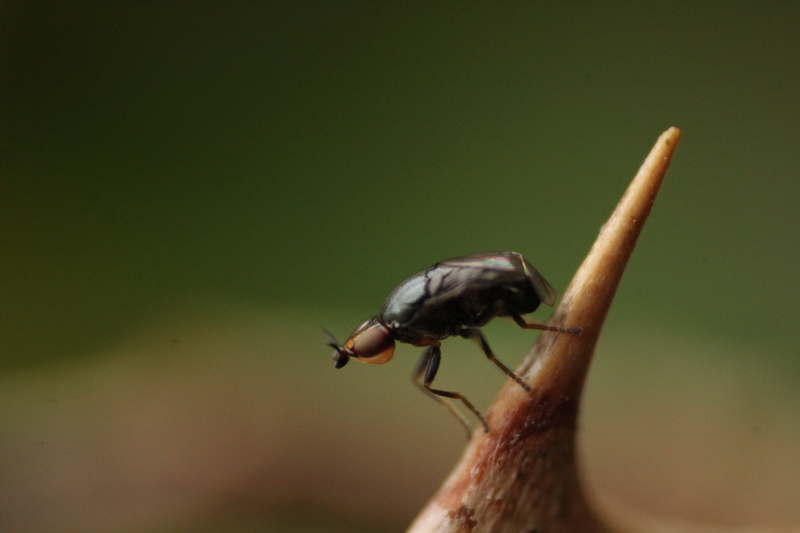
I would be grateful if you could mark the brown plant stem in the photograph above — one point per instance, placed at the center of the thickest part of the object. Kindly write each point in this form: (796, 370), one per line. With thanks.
(523, 476)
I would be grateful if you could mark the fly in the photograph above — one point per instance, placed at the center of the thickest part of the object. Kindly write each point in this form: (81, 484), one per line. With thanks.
(453, 297)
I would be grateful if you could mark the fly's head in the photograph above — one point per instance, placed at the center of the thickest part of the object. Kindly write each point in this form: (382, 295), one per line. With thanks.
(372, 342)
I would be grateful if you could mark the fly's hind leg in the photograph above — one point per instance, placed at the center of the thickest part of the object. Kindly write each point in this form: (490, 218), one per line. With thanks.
(428, 365)
(546, 327)
(475, 334)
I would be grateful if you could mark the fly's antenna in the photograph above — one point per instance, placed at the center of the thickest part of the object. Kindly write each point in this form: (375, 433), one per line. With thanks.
(340, 358)
(331, 339)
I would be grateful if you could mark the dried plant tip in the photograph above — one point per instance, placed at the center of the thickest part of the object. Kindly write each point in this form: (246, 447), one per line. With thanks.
(523, 475)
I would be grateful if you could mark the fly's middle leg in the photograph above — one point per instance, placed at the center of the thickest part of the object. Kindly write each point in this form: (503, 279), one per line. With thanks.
(475, 334)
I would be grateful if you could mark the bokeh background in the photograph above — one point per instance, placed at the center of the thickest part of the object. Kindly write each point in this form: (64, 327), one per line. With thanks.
(188, 190)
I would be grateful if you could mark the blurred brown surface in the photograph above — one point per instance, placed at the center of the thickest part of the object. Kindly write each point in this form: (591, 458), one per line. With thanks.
(242, 420)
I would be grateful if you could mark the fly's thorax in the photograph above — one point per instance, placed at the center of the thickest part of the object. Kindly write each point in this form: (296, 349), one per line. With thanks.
(404, 301)
(425, 328)
(404, 333)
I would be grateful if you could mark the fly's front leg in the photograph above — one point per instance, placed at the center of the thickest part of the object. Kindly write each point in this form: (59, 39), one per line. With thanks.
(475, 334)
(428, 365)
(546, 327)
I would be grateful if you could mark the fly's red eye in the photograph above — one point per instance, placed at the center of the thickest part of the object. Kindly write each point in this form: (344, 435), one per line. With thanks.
(372, 344)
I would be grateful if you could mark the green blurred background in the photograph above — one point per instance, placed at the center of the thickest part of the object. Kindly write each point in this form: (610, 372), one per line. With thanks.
(189, 189)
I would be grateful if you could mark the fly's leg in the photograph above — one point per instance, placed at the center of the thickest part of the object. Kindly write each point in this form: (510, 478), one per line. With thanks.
(475, 334)
(546, 327)
(428, 365)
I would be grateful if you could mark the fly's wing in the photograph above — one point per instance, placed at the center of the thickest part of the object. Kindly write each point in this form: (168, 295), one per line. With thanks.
(481, 270)
(451, 278)
(547, 294)
(487, 260)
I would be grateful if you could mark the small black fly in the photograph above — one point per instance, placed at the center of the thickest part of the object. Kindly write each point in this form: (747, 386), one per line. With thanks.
(453, 297)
